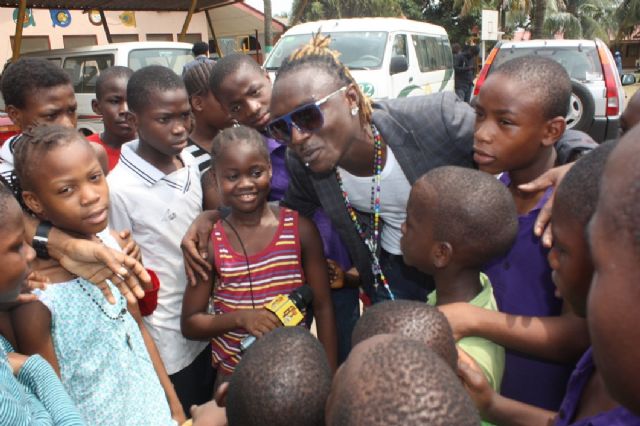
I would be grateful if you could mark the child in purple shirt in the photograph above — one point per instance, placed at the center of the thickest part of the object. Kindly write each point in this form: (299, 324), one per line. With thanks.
(586, 401)
(515, 135)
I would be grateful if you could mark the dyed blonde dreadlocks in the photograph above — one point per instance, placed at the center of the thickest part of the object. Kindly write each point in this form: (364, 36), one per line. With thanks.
(317, 54)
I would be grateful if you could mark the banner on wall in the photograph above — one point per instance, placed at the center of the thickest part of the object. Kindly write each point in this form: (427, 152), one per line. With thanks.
(28, 18)
(128, 18)
(60, 17)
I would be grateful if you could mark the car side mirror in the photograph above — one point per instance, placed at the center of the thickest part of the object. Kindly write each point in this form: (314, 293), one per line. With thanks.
(628, 79)
(398, 64)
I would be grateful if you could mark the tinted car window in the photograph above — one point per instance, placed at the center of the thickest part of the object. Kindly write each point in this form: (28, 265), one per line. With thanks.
(581, 62)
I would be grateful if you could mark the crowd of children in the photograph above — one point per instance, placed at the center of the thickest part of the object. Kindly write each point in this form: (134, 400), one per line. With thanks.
(234, 191)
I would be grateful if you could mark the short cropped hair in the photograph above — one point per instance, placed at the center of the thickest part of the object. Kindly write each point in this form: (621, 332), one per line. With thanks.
(472, 210)
(7, 201)
(27, 75)
(544, 79)
(111, 72)
(395, 380)
(228, 65)
(621, 196)
(577, 194)
(200, 48)
(148, 80)
(412, 319)
(35, 142)
(283, 379)
(231, 136)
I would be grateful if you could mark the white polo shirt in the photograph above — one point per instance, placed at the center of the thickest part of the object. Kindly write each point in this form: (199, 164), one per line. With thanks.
(159, 209)
(6, 158)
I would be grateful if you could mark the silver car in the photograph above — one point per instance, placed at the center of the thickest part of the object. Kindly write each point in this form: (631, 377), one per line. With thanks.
(597, 98)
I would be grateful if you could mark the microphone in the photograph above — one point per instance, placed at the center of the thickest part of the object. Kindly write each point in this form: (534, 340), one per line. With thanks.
(288, 309)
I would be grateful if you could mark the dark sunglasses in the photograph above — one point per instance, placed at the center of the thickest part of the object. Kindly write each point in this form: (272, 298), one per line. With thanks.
(306, 118)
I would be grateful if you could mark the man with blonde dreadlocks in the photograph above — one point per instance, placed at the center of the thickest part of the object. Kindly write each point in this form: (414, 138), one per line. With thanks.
(358, 161)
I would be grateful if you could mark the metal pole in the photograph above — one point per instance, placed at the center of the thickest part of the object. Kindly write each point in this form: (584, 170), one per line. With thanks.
(187, 21)
(483, 50)
(213, 33)
(17, 40)
(103, 19)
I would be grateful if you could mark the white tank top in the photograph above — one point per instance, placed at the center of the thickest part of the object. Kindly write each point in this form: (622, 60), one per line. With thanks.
(394, 194)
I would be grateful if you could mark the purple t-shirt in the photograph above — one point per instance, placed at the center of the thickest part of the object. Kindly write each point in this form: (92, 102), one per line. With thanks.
(618, 416)
(522, 285)
(333, 246)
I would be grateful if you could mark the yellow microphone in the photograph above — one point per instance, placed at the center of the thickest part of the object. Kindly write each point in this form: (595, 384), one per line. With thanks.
(288, 309)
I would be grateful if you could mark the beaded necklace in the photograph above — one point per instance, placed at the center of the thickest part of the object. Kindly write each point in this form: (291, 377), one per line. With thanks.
(373, 240)
(119, 317)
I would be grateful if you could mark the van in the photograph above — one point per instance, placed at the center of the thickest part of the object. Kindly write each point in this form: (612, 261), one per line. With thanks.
(84, 65)
(388, 57)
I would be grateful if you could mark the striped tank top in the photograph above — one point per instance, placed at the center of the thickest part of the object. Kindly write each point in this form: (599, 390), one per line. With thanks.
(275, 270)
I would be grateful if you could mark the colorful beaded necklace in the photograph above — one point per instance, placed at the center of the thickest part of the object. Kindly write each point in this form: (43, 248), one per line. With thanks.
(373, 240)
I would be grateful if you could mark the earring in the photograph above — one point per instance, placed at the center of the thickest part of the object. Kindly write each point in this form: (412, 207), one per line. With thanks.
(235, 123)
(306, 165)
(354, 110)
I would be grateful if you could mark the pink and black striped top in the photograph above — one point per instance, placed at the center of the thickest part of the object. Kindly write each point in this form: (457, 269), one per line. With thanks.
(275, 270)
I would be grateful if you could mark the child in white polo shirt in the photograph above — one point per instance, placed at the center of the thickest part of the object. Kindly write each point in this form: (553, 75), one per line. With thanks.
(156, 192)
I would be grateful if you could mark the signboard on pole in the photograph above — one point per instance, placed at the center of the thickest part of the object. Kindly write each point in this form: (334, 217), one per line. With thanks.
(489, 25)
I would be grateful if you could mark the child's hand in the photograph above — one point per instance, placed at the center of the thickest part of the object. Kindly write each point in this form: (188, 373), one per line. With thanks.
(131, 248)
(336, 274)
(258, 322)
(194, 246)
(209, 414)
(461, 318)
(475, 382)
(16, 361)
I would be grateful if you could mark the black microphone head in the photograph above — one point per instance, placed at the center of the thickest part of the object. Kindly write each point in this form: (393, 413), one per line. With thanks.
(301, 296)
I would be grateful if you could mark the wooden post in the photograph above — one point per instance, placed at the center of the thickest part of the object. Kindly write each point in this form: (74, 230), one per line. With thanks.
(213, 33)
(103, 19)
(187, 21)
(17, 40)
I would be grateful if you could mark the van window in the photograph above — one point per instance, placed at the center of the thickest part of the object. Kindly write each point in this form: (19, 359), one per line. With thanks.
(400, 46)
(431, 53)
(171, 58)
(358, 49)
(84, 71)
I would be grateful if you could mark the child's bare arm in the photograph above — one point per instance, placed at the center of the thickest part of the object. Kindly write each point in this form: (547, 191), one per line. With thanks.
(315, 271)
(197, 324)
(172, 398)
(559, 338)
(210, 196)
(32, 328)
(492, 406)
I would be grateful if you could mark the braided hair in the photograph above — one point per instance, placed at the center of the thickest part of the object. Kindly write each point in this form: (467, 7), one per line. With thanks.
(317, 55)
(196, 78)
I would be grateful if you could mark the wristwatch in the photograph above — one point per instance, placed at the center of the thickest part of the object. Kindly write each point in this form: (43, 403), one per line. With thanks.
(41, 239)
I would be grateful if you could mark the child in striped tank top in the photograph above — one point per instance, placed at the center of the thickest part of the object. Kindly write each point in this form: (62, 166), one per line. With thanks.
(259, 251)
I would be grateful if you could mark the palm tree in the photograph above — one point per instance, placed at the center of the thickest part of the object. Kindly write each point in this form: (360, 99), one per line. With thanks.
(628, 16)
(580, 18)
(329, 9)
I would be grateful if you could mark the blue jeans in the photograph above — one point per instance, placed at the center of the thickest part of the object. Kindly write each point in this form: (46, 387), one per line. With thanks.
(347, 311)
(406, 282)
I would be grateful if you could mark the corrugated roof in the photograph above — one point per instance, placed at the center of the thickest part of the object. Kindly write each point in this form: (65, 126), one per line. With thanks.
(153, 5)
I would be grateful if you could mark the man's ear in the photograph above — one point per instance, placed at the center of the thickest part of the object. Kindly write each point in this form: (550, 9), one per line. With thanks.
(441, 254)
(554, 129)
(95, 106)
(15, 114)
(32, 201)
(352, 96)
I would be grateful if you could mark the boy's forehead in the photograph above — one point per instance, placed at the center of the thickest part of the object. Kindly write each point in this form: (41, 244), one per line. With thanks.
(38, 95)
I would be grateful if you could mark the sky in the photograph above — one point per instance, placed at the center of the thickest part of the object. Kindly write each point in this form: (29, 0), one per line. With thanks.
(277, 6)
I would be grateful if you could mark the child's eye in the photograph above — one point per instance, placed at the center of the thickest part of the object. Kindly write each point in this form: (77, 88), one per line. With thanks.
(95, 177)
(232, 177)
(235, 108)
(505, 122)
(257, 173)
(162, 120)
(65, 190)
(255, 93)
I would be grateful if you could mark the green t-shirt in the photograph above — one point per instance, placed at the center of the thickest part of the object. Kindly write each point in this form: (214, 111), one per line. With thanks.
(488, 355)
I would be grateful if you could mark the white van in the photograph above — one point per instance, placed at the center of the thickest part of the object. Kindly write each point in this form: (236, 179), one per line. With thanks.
(84, 65)
(388, 57)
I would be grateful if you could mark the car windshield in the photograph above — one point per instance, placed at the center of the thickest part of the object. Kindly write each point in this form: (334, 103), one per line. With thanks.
(358, 50)
(581, 62)
(171, 58)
